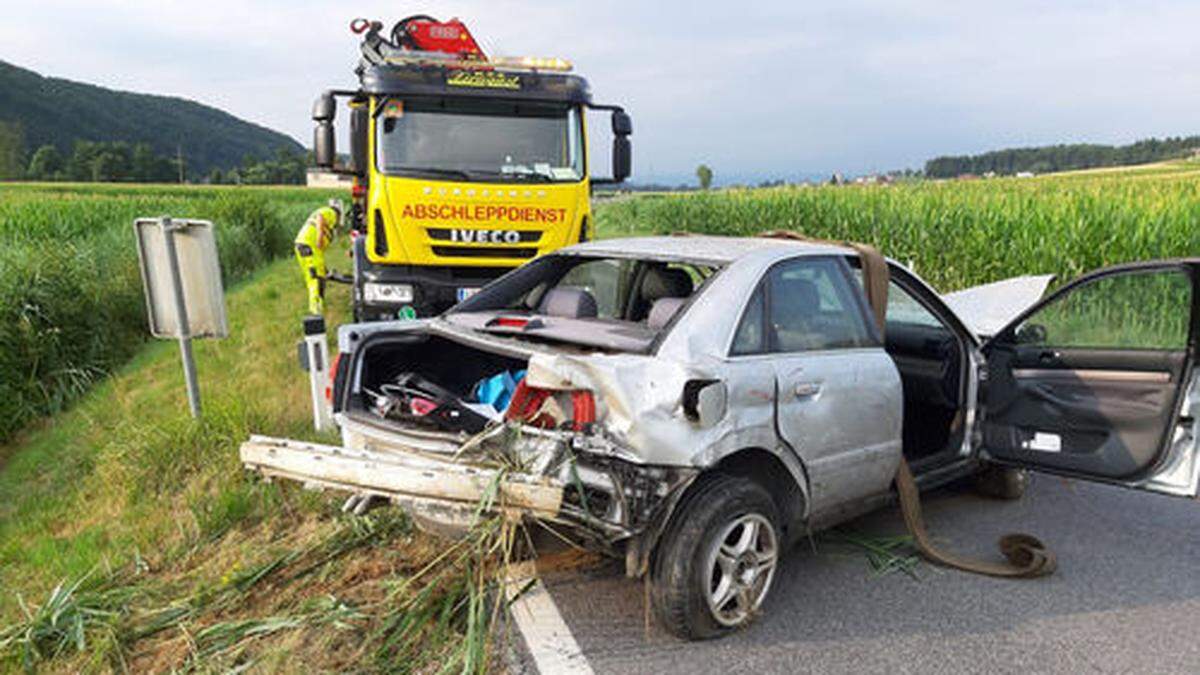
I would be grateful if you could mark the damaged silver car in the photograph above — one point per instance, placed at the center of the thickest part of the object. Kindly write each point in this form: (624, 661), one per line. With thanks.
(696, 404)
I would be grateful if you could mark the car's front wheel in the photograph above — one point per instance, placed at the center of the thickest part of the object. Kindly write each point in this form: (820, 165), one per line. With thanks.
(716, 561)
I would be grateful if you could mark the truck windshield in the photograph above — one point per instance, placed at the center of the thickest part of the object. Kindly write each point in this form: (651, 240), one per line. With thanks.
(480, 140)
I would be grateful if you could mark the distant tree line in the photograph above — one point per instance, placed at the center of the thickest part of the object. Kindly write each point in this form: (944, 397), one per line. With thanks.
(1062, 157)
(111, 162)
(285, 168)
(94, 161)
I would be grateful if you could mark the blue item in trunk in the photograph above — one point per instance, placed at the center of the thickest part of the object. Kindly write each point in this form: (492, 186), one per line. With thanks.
(498, 389)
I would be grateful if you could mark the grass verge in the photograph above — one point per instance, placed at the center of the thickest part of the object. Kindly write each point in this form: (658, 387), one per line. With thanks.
(131, 540)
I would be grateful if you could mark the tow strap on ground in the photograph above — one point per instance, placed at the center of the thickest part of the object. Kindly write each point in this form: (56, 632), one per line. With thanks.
(1026, 555)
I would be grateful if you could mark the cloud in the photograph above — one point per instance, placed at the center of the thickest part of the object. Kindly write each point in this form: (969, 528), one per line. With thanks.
(756, 89)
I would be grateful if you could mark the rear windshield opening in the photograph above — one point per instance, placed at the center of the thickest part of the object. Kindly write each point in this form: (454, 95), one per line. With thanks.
(616, 303)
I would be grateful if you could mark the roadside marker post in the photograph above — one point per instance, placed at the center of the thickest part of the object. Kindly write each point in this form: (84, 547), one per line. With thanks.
(314, 358)
(181, 276)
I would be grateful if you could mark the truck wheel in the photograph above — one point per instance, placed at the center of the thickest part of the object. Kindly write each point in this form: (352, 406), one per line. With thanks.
(715, 563)
(1002, 482)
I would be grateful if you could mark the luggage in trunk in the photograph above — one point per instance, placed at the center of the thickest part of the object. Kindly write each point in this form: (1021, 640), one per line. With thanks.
(431, 382)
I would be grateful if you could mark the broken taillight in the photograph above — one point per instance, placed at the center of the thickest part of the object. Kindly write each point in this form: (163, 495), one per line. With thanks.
(337, 358)
(583, 406)
(528, 406)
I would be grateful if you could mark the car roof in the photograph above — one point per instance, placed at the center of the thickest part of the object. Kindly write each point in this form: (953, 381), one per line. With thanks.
(699, 248)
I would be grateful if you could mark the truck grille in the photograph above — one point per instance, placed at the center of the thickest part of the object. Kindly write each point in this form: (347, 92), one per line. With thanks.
(447, 234)
(490, 252)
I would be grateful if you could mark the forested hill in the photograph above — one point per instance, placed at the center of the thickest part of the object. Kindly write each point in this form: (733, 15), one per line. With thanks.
(54, 111)
(1052, 158)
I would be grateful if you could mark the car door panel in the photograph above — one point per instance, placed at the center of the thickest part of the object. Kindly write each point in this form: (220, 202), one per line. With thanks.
(1110, 421)
(929, 359)
(1109, 412)
(837, 394)
(840, 411)
(1158, 361)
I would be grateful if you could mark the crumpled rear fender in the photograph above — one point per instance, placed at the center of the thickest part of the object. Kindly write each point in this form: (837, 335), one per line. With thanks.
(639, 401)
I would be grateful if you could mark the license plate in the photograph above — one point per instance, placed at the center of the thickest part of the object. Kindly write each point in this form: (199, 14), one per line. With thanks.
(464, 293)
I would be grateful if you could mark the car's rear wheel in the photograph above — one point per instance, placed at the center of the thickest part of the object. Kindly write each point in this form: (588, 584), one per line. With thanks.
(716, 561)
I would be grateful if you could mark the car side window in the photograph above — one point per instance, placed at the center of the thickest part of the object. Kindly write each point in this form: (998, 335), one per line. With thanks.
(811, 306)
(902, 307)
(750, 337)
(1130, 310)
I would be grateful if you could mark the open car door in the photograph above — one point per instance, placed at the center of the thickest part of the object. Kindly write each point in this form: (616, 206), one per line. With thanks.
(1096, 381)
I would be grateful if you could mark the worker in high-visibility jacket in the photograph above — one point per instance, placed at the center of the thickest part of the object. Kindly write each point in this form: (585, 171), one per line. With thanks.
(311, 242)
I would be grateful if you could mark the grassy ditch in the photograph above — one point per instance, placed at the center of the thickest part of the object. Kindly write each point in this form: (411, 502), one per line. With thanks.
(71, 305)
(131, 540)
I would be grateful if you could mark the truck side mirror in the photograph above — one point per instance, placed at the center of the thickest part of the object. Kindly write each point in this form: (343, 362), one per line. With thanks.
(323, 145)
(324, 108)
(358, 140)
(622, 159)
(622, 125)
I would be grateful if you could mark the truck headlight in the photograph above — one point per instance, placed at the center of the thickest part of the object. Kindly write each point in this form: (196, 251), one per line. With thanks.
(387, 293)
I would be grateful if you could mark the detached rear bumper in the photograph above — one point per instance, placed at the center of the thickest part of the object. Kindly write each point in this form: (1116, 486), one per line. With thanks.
(602, 500)
(436, 491)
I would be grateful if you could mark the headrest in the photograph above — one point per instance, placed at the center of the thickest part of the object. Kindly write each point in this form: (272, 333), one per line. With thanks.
(663, 310)
(665, 282)
(569, 302)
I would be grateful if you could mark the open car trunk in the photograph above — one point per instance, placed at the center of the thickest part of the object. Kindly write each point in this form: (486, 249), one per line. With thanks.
(415, 425)
(430, 383)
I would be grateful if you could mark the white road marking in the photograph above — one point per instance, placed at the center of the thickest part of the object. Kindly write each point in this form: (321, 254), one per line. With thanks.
(546, 634)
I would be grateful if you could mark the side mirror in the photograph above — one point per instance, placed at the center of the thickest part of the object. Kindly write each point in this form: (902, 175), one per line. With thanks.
(358, 140)
(324, 108)
(1031, 334)
(324, 146)
(622, 159)
(704, 401)
(622, 125)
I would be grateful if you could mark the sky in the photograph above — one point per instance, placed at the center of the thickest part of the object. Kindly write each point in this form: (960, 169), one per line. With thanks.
(756, 90)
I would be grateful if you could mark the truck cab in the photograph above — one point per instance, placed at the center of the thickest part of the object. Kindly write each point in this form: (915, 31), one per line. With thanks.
(463, 168)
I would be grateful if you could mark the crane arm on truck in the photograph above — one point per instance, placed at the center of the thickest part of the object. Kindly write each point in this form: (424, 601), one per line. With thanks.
(419, 33)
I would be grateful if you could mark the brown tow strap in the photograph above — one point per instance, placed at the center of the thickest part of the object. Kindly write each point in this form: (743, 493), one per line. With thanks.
(1026, 555)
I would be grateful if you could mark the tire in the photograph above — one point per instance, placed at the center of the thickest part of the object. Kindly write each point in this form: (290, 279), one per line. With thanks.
(1002, 482)
(691, 564)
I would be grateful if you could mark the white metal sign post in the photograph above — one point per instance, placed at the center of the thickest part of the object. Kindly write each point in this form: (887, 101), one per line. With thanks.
(185, 336)
(182, 279)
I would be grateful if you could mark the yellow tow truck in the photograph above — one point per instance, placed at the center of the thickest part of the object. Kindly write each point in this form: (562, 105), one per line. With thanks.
(463, 166)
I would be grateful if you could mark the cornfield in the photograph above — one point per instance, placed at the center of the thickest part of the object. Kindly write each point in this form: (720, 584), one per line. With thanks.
(71, 306)
(957, 234)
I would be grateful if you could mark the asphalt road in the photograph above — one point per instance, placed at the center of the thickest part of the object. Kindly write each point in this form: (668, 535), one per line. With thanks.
(1126, 598)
